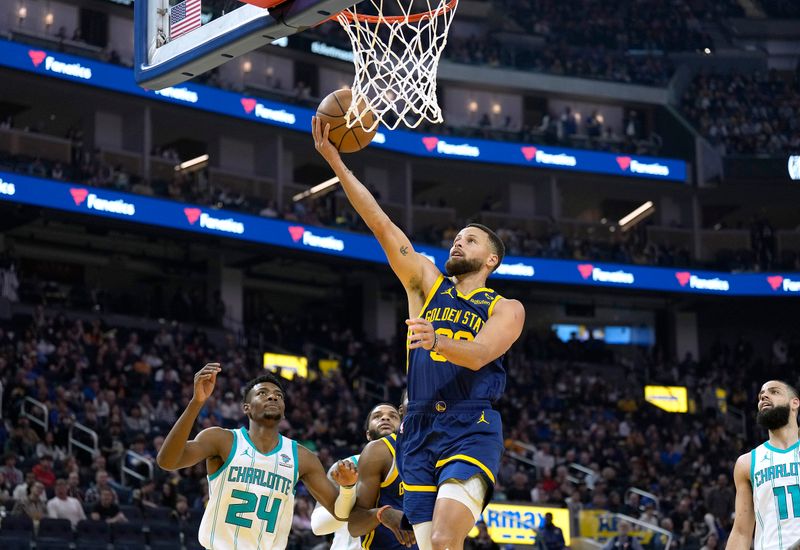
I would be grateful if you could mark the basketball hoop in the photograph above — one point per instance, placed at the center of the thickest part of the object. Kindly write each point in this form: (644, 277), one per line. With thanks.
(396, 58)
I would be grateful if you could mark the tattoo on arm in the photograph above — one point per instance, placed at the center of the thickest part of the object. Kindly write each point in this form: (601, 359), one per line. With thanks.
(404, 250)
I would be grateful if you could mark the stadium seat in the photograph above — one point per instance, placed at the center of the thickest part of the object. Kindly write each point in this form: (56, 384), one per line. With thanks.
(16, 532)
(128, 536)
(133, 513)
(159, 513)
(164, 535)
(190, 537)
(54, 534)
(92, 535)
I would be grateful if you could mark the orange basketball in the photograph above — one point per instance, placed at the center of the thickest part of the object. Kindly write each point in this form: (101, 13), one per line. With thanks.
(332, 111)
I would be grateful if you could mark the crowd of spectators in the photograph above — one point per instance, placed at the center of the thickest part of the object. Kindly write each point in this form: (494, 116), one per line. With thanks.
(746, 114)
(130, 385)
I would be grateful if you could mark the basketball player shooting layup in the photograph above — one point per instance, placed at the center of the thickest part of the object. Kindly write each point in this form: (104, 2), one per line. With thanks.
(768, 477)
(253, 472)
(450, 441)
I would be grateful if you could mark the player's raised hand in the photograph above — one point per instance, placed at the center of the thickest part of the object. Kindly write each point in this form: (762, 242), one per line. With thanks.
(392, 519)
(321, 142)
(345, 473)
(204, 382)
(420, 334)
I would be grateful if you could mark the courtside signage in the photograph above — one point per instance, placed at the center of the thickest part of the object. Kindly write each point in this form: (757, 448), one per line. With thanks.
(82, 199)
(214, 100)
(518, 524)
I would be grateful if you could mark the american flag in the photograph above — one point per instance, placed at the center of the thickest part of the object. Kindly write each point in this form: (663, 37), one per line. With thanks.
(184, 17)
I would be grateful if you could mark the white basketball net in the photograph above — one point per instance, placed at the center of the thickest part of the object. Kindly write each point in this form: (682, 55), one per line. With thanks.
(396, 58)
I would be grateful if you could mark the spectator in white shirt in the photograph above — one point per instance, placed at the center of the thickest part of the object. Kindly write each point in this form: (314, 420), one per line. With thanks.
(63, 506)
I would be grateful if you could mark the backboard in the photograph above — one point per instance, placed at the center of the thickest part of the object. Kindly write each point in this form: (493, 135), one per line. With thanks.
(162, 60)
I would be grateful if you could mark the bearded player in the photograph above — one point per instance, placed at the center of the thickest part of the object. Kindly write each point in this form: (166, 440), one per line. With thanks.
(381, 424)
(253, 472)
(768, 477)
(450, 442)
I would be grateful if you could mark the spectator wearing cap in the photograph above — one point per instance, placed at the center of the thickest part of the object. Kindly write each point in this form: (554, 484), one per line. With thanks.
(106, 509)
(43, 471)
(63, 506)
(33, 504)
(483, 541)
(551, 535)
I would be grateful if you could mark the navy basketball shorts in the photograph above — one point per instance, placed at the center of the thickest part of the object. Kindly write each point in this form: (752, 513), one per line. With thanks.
(442, 441)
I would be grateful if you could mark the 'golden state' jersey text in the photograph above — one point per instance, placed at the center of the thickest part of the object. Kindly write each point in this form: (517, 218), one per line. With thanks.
(431, 377)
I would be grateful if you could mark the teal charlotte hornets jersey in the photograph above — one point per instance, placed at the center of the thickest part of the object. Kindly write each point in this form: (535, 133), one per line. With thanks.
(391, 494)
(251, 497)
(431, 377)
(775, 477)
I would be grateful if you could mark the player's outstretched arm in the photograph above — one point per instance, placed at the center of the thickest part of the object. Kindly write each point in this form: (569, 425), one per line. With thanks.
(177, 452)
(493, 340)
(415, 271)
(744, 521)
(322, 521)
(374, 464)
(338, 501)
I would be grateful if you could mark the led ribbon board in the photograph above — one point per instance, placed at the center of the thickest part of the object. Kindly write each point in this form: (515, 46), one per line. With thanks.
(103, 203)
(213, 100)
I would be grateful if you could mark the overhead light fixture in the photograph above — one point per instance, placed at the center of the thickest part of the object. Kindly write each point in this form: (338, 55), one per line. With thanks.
(192, 165)
(318, 190)
(638, 215)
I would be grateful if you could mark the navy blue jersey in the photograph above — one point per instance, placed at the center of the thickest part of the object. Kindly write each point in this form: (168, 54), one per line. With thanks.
(431, 377)
(391, 494)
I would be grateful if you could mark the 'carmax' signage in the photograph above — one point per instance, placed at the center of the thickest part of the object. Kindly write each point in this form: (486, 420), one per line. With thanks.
(518, 524)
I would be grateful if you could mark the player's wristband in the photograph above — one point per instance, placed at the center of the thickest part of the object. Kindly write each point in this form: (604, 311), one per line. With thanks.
(380, 512)
(435, 341)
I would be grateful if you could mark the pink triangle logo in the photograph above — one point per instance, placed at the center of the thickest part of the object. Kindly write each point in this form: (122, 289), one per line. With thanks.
(775, 281)
(683, 277)
(586, 270)
(192, 214)
(296, 231)
(78, 195)
(37, 56)
(249, 104)
(430, 142)
(529, 152)
(624, 162)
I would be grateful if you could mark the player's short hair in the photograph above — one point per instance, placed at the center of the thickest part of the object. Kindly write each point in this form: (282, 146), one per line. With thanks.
(496, 242)
(791, 389)
(372, 410)
(271, 378)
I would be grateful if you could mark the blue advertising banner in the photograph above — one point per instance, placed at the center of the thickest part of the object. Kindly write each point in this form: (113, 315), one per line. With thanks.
(120, 79)
(104, 203)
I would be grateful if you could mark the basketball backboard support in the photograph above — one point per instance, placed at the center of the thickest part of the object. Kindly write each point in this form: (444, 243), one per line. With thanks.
(160, 62)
